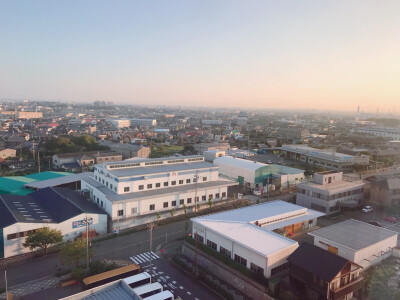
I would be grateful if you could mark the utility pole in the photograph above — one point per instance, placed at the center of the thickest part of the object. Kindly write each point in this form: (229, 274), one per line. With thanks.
(38, 157)
(87, 221)
(195, 256)
(196, 178)
(151, 227)
(5, 278)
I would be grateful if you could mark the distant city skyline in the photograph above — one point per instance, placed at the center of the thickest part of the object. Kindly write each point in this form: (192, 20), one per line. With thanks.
(259, 54)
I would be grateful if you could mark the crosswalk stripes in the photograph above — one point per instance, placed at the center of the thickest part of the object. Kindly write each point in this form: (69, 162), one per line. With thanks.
(144, 257)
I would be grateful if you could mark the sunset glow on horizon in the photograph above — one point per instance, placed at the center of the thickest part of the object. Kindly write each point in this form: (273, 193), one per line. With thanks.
(259, 54)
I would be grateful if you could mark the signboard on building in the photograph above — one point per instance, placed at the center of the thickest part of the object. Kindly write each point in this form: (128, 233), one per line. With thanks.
(81, 223)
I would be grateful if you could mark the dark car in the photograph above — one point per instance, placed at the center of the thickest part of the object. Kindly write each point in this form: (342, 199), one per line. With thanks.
(375, 223)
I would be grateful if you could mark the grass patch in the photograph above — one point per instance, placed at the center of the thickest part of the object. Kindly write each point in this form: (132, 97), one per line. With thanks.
(161, 151)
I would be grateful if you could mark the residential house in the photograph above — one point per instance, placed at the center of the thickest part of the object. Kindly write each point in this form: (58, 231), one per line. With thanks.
(318, 274)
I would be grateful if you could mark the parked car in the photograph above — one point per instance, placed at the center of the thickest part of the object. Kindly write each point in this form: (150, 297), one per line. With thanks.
(390, 219)
(367, 209)
(376, 223)
(257, 193)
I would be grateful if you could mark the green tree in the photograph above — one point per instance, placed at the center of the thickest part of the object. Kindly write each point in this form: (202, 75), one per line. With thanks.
(210, 202)
(233, 197)
(185, 209)
(42, 238)
(74, 252)
(158, 216)
(172, 212)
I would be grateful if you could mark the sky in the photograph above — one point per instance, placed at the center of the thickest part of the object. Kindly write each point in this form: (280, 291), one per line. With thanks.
(260, 54)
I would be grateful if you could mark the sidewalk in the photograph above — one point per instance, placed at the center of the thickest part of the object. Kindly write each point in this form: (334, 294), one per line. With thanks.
(32, 287)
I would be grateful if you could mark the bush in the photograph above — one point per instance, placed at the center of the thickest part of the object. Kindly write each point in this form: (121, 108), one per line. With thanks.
(78, 274)
(99, 266)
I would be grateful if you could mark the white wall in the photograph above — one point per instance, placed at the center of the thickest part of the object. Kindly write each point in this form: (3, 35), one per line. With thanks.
(14, 246)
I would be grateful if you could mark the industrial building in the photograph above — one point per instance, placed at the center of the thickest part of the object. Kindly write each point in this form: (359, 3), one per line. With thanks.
(57, 208)
(329, 192)
(257, 175)
(326, 158)
(143, 122)
(254, 236)
(136, 192)
(356, 241)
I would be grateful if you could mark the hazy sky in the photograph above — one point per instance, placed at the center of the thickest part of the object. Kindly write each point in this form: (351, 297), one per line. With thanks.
(279, 54)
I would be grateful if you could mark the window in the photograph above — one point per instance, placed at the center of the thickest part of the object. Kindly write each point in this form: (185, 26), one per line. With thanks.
(126, 189)
(149, 186)
(98, 201)
(173, 182)
(141, 187)
(211, 244)
(187, 180)
(182, 201)
(225, 252)
(120, 212)
(152, 206)
(173, 203)
(189, 200)
(204, 198)
(223, 195)
(197, 199)
(240, 260)
(281, 268)
(180, 181)
(166, 183)
(256, 268)
(158, 184)
(210, 196)
(103, 181)
(134, 210)
(107, 183)
(95, 176)
(217, 195)
(165, 204)
(101, 203)
(111, 186)
(204, 178)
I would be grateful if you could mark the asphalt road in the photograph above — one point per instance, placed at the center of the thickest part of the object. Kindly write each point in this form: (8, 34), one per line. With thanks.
(122, 247)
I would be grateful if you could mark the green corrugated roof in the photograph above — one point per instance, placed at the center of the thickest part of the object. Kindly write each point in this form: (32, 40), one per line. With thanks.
(47, 175)
(14, 185)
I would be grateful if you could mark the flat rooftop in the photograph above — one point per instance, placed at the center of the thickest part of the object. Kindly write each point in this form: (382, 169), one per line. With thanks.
(353, 234)
(334, 186)
(141, 171)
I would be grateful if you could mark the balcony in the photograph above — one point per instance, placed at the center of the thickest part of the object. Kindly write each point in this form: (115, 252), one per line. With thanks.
(346, 289)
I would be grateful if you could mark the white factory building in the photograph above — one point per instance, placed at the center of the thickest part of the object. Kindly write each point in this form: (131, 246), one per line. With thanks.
(326, 158)
(121, 123)
(138, 191)
(52, 207)
(356, 241)
(143, 122)
(255, 174)
(250, 235)
(329, 192)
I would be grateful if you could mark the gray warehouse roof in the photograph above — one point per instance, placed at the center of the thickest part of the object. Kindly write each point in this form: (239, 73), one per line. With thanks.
(353, 234)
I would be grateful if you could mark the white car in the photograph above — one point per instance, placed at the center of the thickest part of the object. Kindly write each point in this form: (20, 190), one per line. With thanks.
(367, 209)
(257, 193)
